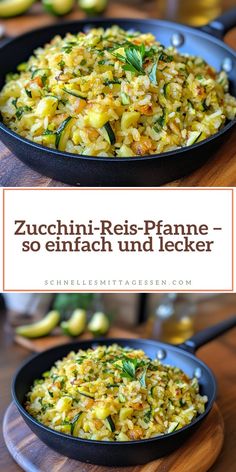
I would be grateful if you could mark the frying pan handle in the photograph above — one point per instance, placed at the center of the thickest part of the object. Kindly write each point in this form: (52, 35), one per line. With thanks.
(222, 24)
(203, 337)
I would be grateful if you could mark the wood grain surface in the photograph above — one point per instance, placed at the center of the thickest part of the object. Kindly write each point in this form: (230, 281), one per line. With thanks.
(198, 454)
(219, 171)
(41, 344)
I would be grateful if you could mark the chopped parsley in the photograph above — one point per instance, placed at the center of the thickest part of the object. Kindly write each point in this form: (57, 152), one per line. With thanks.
(134, 59)
(21, 110)
(61, 64)
(130, 366)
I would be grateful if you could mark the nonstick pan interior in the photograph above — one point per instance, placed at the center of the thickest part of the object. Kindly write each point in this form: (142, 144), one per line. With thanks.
(114, 453)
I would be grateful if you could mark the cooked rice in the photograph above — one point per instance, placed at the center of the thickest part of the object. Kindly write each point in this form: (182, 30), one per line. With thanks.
(114, 394)
(154, 98)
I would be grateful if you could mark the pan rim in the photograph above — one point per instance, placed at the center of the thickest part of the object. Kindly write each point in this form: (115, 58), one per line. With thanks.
(54, 153)
(48, 430)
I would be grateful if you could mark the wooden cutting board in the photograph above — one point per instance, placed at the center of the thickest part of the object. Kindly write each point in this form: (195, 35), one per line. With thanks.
(41, 344)
(197, 455)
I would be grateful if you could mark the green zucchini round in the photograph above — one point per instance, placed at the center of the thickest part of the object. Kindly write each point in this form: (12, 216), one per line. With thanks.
(93, 7)
(58, 7)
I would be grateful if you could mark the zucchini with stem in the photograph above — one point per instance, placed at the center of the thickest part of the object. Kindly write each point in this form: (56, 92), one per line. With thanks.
(40, 328)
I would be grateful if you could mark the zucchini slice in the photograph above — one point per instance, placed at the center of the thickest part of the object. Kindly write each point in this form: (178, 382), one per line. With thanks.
(110, 424)
(76, 424)
(63, 133)
(193, 137)
(86, 394)
(173, 426)
(109, 133)
(74, 93)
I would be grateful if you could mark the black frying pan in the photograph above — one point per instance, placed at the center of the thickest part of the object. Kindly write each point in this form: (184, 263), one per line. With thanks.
(130, 452)
(135, 171)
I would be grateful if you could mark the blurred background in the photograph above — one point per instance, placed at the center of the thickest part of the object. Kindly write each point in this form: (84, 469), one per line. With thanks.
(17, 16)
(170, 317)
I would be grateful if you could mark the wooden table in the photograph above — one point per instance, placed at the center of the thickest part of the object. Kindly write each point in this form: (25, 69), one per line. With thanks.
(220, 355)
(218, 171)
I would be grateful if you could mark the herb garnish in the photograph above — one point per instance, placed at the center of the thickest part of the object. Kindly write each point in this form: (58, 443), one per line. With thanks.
(134, 59)
(130, 366)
